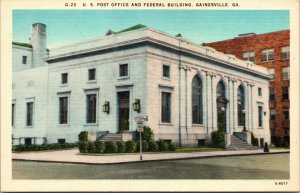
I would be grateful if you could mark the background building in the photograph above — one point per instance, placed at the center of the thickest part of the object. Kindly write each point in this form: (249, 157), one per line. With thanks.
(186, 90)
(270, 50)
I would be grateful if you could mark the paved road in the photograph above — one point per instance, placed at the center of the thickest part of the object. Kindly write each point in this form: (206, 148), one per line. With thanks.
(267, 166)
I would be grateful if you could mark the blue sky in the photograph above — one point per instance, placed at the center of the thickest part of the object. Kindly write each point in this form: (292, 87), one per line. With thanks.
(70, 26)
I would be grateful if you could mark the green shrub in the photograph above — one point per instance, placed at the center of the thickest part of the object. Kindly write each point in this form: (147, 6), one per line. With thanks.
(162, 145)
(152, 146)
(110, 147)
(144, 146)
(83, 146)
(130, 146)
(171, 146)
(254, 141)
(266, 147)
(147, 134)
(218, 139)
(83, 136)
(121, 146)
(99, 147)
(91, 147)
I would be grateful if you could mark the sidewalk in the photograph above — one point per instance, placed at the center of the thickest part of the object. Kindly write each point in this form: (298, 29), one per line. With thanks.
(73, 156)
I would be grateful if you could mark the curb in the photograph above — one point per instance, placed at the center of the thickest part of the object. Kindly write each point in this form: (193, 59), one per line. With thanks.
(158, 160)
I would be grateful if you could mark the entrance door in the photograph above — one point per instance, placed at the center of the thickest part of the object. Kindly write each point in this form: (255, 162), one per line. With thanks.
(123, 111)
(221, 116)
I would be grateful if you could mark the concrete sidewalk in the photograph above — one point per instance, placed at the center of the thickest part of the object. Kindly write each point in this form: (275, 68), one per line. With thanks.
(73, 156)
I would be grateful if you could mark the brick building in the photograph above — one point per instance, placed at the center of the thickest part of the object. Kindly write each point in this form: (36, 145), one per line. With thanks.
(270, 50)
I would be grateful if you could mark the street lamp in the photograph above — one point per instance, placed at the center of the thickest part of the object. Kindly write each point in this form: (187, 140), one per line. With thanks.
(137, 105)
(105, 107)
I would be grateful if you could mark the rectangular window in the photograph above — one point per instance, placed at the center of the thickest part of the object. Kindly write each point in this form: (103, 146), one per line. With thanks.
(286, 131)
(260, 116)
(13, 115)
(285, 52)
(285, 93)
(272, 115)
(29, 113)
(63, 110)
(123, 70)
(285, 73)
(165, 107)
(272, 73)
(61, 141)
(28, 141)
(24, 60)
(267, 55)
(272, 94)
(286, 115)
(91, 108)
(92, 74)
(259, 91)
(64, 78)
(249, 56)
(166, 71)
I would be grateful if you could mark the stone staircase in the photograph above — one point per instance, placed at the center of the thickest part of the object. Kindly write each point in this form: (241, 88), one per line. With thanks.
(238, 144)
(111, 137)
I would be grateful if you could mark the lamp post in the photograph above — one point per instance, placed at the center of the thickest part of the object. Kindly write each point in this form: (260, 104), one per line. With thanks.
(140, 125)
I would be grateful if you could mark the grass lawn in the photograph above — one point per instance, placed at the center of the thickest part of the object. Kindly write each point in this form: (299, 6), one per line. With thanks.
(188, 149)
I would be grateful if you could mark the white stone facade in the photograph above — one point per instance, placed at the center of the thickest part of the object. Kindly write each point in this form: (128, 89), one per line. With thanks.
(145, 51)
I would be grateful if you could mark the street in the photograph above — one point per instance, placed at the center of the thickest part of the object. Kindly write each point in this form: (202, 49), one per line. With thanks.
(271, 166)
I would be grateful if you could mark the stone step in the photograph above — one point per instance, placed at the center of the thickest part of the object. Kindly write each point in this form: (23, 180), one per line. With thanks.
(111, 137)
(238, 144)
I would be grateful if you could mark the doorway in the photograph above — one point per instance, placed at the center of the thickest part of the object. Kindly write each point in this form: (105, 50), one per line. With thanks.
(123, 111)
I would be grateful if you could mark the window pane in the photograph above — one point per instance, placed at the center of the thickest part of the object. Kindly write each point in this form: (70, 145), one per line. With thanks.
(166, 107)
(264, 55)
(166, 71)
(245, 55)
(285, 52)
(64, 78)
(260, 112)
(29, 114)
(285, 93)
(272, 94)
(63, 110)
(123, 70)
(241, 106)
(24, 59)
(92, 74)
(271, 54)
(285, 73)
(91, 108)
(197, 101)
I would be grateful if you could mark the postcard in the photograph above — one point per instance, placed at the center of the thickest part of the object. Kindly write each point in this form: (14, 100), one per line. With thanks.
(149, 95)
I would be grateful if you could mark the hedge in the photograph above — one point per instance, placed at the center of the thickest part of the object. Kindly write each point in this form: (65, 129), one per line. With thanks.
(54, 146)
(144, 146)
(130, 146)
(162, 145)
(121, 146)
(218, 139)
(83, 136)
(152, 146)
(110, 147)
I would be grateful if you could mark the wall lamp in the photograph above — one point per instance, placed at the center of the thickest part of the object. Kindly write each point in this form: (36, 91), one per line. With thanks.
(137, 105)
(105, 107)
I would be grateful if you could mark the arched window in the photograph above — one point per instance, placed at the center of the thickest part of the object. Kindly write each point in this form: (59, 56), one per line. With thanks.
(241, 105)
(220, 89)
(197, 100)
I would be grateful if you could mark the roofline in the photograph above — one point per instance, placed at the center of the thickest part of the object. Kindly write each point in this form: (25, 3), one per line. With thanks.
(246, 36)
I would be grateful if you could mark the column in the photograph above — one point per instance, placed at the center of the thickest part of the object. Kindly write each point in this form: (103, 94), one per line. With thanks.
(234, 105)
(209, 102)
(214, 102)
(228, 109)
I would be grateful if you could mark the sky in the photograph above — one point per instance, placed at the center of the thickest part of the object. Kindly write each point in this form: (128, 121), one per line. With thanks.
(199, 26)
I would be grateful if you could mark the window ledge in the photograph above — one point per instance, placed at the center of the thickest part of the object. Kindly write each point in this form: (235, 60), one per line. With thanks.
(166, 124)
(91, 81)
(166, 78)
(64, 125)
(64, 85)
(90, 124)
(123, 77)
(197, 125)
(29, 127)
(260, 127)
